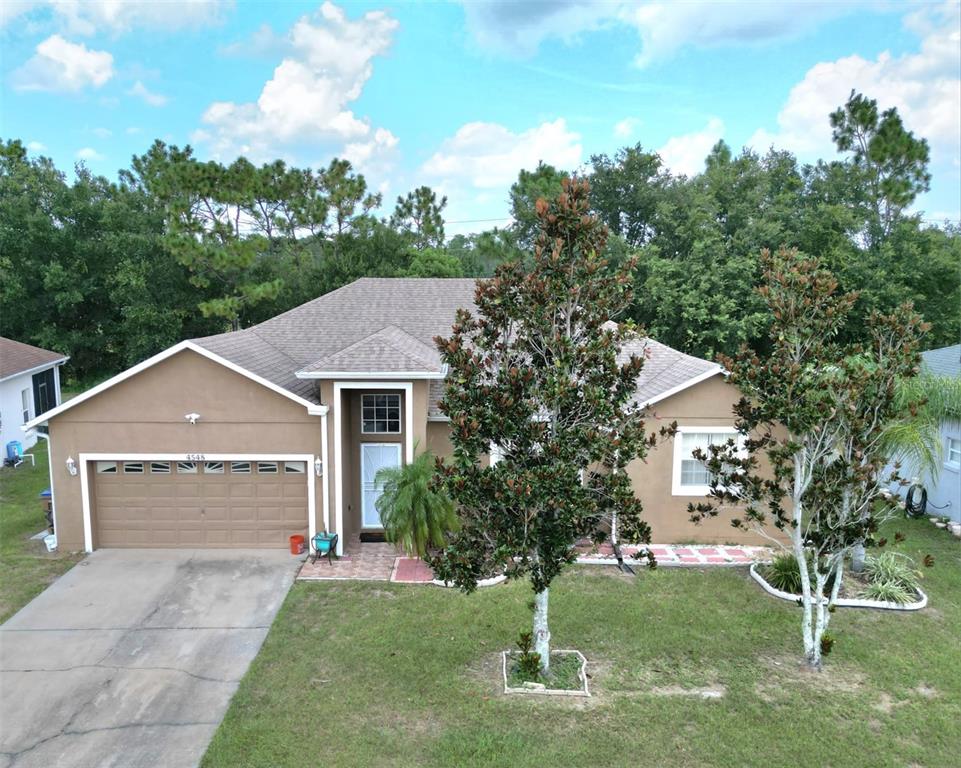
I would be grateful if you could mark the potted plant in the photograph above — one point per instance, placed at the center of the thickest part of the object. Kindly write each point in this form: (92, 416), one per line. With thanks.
(415, 513)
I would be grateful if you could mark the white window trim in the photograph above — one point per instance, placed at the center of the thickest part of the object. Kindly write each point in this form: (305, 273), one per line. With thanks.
(399, 415)
(953, 466)
(339, 386)
(692, 490)
(26, 405)
(86, 458)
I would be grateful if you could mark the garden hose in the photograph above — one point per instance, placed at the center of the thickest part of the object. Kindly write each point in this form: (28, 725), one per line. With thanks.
(916, 503)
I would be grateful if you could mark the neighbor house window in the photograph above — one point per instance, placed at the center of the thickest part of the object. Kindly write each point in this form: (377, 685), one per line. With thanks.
(133, 467)
(954, 452)
(213, 468)
(691, 477)
(106, 467)
(295, 467)
(240, 467)
(267, 467)
(380, 414)
(160, 467)
(186, 468)
(25, 404)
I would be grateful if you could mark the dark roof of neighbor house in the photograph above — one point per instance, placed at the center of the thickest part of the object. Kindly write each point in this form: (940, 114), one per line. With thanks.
(387, 325)
(945, 361)
(17, 357)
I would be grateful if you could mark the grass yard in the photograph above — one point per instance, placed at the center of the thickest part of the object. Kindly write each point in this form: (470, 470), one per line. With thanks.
(26, 568)
(371, 674)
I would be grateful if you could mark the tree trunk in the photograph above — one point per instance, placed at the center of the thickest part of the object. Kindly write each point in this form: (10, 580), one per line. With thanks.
(542, 635)
(857, 558)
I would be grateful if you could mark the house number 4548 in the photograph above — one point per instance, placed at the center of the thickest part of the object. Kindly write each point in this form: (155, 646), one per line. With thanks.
(195, 457)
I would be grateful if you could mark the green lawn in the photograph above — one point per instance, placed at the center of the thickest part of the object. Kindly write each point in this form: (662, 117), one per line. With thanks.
(26, 568)
(369, 674)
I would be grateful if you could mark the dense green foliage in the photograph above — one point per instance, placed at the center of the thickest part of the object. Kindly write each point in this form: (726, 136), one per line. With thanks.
(415, 514)
(111, 272)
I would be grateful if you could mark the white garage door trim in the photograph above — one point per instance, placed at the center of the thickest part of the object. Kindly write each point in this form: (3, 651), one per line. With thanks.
(86, 458)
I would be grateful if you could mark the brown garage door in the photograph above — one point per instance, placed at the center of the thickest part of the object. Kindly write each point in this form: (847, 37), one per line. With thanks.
(198, 504)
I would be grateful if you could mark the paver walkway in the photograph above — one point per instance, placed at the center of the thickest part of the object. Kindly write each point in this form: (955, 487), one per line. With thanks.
(381, 562)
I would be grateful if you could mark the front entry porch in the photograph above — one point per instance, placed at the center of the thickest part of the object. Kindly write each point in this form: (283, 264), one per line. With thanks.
(368, 561)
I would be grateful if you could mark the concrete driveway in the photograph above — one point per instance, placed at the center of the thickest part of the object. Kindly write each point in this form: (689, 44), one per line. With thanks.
(131, 658)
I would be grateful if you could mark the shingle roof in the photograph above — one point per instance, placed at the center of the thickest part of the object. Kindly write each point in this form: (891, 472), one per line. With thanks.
(17, 357)
(945, 361)
(388, 325)
(390, 349)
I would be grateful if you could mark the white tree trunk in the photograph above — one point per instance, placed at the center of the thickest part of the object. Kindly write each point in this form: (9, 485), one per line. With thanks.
(812, 653)
(542, 635)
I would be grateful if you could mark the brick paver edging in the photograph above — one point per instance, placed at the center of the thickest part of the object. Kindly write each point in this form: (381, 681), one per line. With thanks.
(677, 555)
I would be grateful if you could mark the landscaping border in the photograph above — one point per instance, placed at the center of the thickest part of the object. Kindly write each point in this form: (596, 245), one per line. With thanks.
(844, 602)
(482, 583)
(585, 692)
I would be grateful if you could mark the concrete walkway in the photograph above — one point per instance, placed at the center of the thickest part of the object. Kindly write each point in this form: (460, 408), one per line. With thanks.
(131, 658)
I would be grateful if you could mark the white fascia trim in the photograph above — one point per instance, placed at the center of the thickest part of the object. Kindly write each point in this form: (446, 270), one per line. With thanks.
(312, 408)
(36, 369)
(85, 459)
(387, 375)
(408, 388)
(692, 490)
(681, 387)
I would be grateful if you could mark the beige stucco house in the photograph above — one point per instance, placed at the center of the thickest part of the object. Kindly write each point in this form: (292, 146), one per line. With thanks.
(245, 438)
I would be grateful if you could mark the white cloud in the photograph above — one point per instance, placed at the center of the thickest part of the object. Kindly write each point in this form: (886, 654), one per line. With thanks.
(133, 130)
(624, 129)
(102, 133)
(519, 27)
(489, 156)
(329, 59)
(376, 154)
(141, 91)
(36, 146)
(88, 153)
(88, 17)
(59, 65)
(924, 86)
(685, 154)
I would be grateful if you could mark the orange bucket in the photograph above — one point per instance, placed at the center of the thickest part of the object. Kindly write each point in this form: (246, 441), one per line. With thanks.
(297, 544)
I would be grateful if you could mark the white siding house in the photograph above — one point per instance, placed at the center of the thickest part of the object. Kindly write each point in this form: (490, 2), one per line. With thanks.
(29, 386)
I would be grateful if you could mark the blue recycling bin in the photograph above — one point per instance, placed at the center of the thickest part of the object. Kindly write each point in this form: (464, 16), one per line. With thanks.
(15, 450)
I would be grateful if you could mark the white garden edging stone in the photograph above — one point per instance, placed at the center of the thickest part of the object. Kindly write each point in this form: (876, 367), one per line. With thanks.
(844, 602)
(582, 674)
(482, 583)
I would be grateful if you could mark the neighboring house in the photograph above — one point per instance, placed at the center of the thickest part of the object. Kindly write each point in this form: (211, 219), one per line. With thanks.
(244, 438)
(944, 491)
(29, 387)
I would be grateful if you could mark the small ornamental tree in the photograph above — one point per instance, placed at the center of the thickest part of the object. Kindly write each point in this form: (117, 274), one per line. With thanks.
(812, 451)
(535, 376)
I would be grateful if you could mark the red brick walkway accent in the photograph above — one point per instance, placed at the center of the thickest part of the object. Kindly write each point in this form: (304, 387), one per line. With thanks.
(409, 570)
(690, 554)
(383, 562)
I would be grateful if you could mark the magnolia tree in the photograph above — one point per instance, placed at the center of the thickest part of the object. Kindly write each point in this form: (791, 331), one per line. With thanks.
(811, 452)
(535, 377)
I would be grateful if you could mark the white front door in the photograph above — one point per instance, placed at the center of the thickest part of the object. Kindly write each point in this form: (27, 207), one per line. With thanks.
(373, 457)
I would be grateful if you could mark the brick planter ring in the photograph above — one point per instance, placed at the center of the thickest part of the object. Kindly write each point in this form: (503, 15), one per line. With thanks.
(845, 602)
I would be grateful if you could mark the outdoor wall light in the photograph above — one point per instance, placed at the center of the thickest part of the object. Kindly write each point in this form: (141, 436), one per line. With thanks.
(192, 418)
(71, 466)
(318, 468)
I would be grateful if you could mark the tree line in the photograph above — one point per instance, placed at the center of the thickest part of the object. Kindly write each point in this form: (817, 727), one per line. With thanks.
(111, 272)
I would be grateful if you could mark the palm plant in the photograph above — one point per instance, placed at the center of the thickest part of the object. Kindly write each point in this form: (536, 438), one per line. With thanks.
(415, 514)
(915, 439)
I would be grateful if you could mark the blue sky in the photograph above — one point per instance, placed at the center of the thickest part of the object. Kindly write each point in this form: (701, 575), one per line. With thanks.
(460, 97)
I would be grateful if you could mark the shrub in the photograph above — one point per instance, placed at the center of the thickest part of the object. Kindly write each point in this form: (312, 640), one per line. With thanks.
(894, 569)
(783, 573)
(887, 592)
(414, 513)
(827, 643)
(528, 662)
